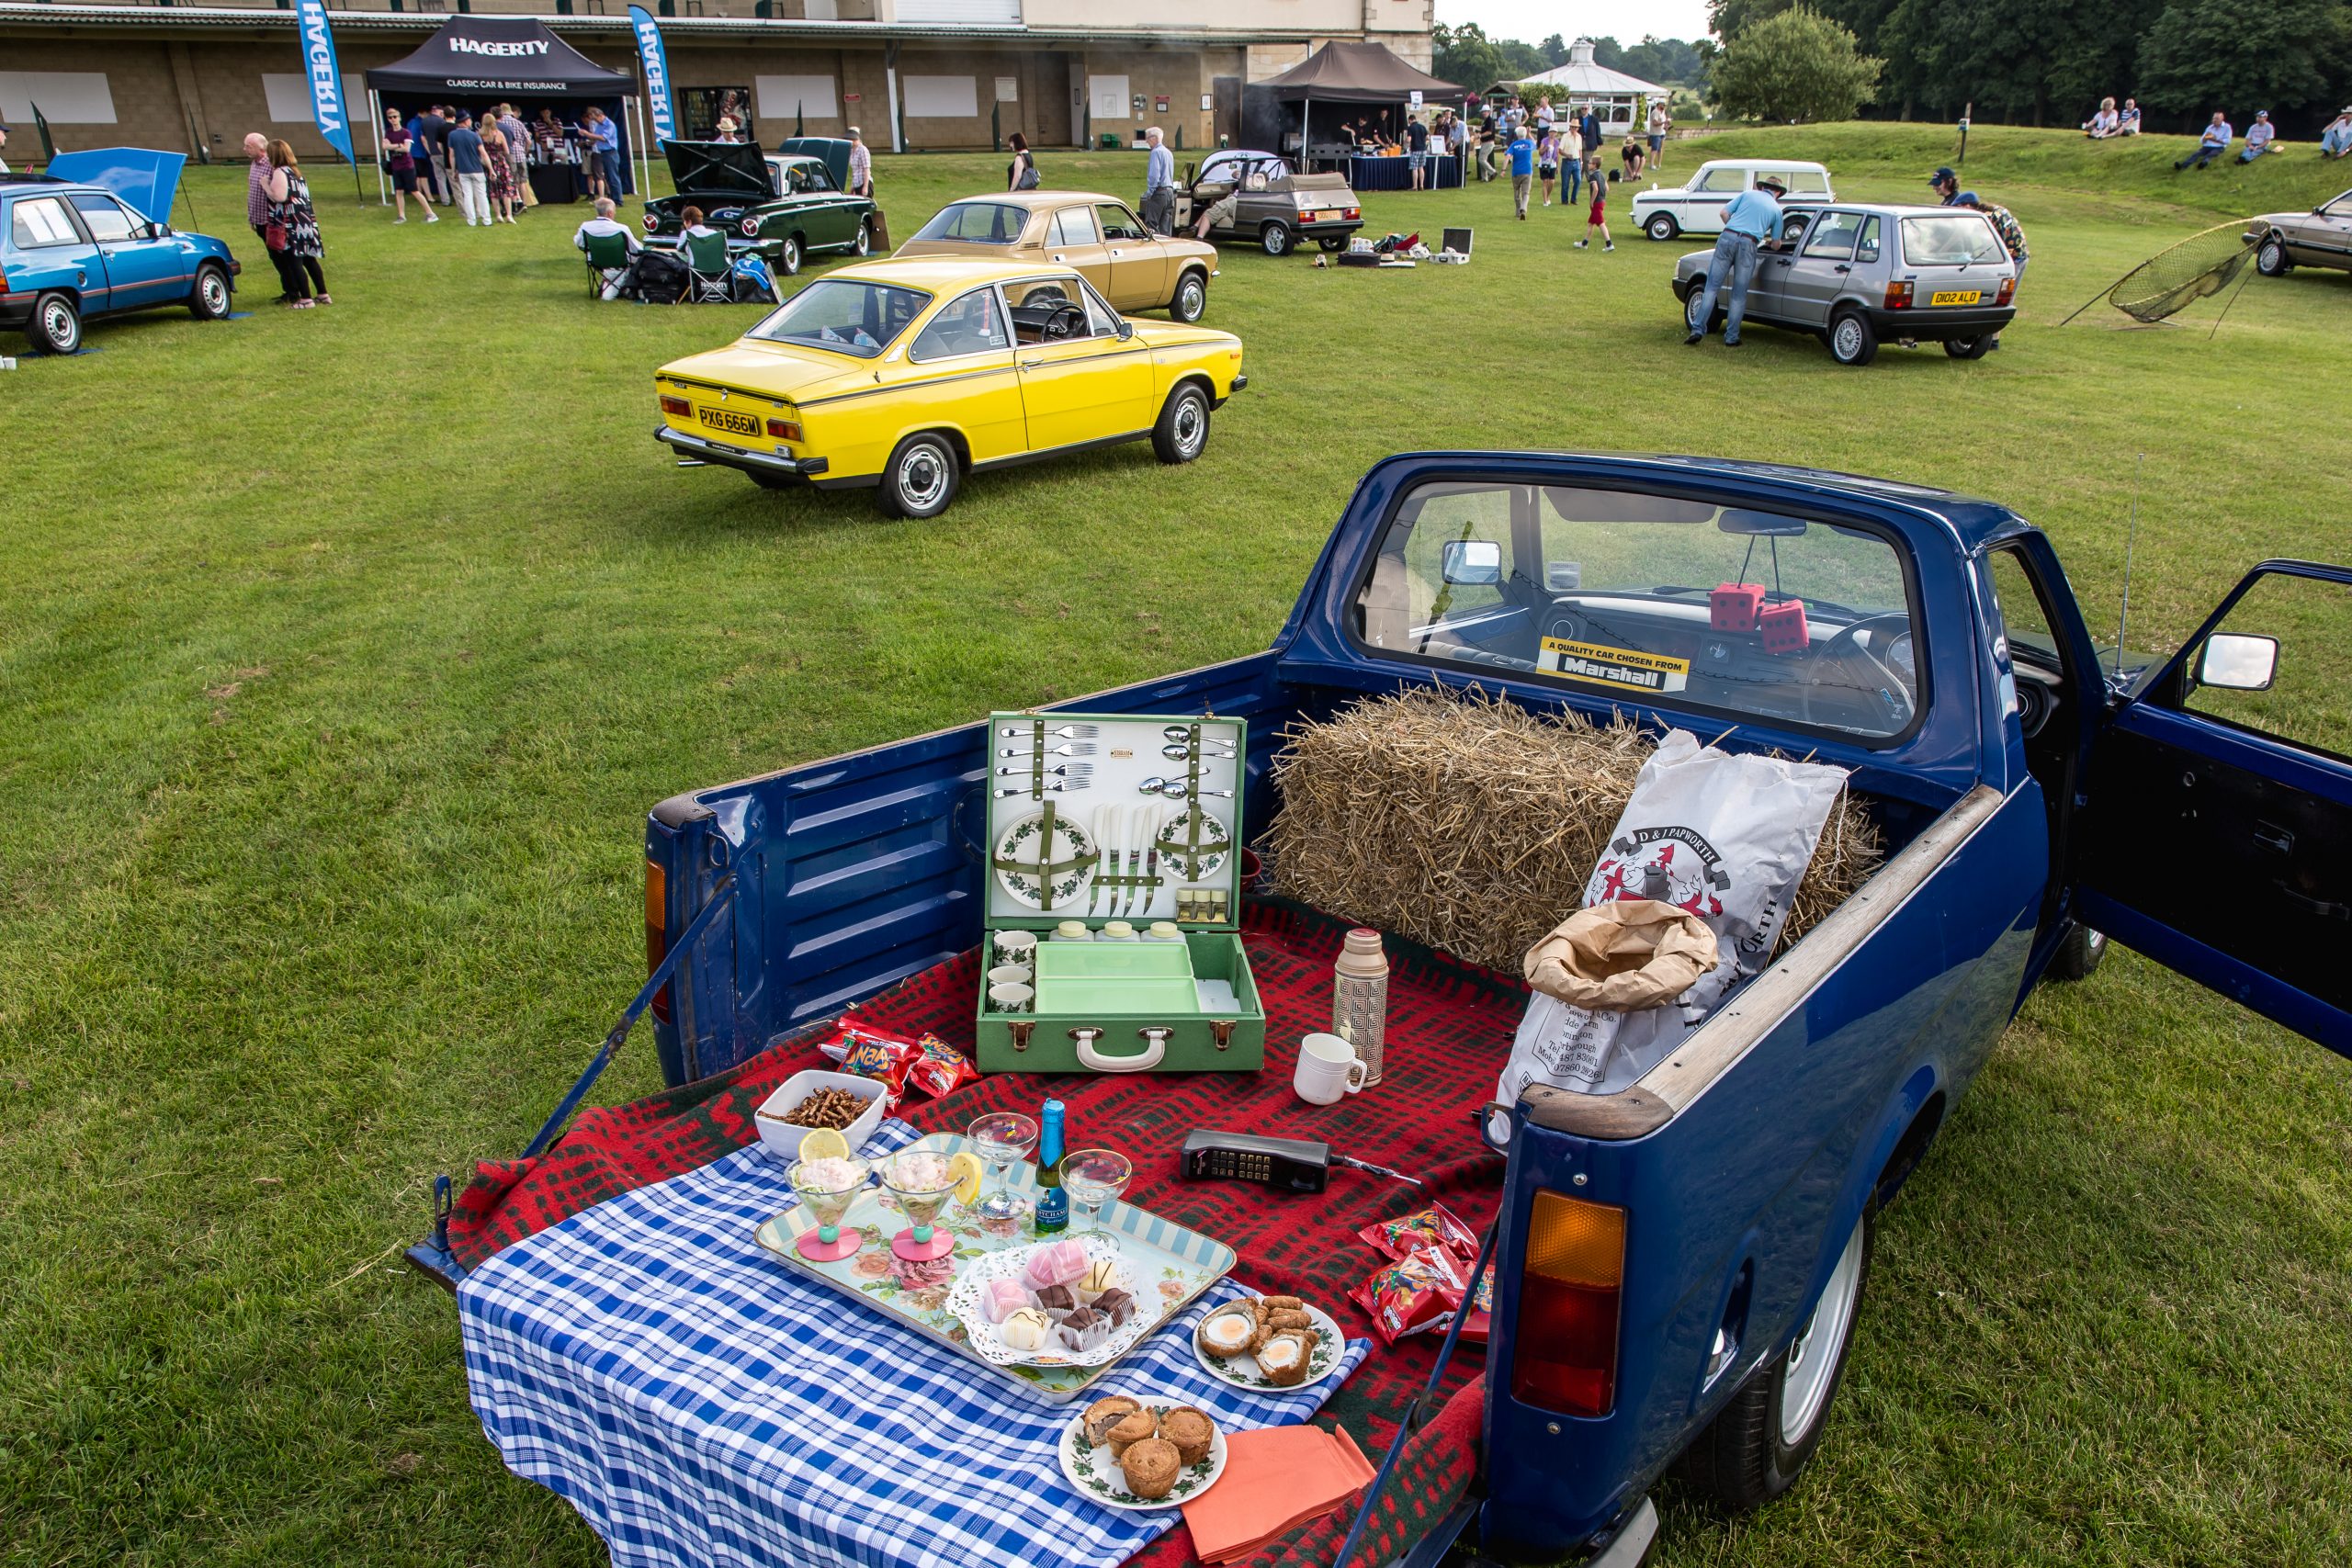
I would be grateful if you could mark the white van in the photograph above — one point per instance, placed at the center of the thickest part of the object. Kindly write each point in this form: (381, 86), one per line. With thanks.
(1698, 207)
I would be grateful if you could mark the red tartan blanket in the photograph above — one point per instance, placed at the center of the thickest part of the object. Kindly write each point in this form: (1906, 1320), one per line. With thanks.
(1449, 1031)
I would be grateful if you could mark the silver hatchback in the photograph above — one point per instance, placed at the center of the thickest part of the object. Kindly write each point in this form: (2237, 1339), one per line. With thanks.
(1856, 274)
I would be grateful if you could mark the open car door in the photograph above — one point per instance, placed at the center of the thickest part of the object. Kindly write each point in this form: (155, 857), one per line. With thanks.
(2218, 822)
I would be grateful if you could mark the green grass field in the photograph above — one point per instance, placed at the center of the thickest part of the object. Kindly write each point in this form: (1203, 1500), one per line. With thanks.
(344, 651)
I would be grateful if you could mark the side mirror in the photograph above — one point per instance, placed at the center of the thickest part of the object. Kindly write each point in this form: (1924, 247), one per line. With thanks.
(1127, 330)
(1471, 563)
(2235, 663)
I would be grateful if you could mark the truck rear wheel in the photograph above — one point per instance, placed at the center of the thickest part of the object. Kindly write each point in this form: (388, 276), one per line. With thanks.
(2079, 953)
(1754, 1449)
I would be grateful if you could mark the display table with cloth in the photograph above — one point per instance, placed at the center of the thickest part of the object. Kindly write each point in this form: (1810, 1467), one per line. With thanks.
(558, 184)
(1449, 1030)
(1383, 171)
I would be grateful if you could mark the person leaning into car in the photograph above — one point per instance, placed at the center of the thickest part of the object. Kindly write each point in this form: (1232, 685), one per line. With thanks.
(1751, 221)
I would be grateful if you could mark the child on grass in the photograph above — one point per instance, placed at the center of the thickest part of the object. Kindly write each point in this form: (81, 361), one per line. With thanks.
(1597, 218)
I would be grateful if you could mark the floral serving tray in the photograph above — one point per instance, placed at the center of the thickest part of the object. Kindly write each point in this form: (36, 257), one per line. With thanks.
(964, 1301)
(1170, 1265)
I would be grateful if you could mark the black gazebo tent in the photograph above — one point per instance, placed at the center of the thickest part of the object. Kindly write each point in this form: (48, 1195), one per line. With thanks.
(1342, 76)
(475, 62)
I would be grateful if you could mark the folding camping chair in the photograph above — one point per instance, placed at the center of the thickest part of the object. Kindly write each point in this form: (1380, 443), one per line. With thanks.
(709, 279)
(607, 259)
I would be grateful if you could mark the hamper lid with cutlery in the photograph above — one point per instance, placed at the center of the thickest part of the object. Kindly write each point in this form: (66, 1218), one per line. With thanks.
(1114, 896)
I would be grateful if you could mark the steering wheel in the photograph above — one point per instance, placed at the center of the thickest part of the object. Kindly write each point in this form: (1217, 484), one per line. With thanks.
(1848, 646)
(1067, 322)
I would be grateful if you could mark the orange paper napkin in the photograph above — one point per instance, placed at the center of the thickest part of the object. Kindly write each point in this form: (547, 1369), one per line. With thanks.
(1275, 1479)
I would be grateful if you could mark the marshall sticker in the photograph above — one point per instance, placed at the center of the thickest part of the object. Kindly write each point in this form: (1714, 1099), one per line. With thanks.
(1625, 668)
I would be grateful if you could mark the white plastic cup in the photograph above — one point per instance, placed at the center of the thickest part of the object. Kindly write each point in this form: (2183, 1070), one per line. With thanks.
(1328, 1070)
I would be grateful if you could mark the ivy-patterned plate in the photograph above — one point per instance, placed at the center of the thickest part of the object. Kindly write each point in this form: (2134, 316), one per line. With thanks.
(1242, 1372)
(1096, 1475)
(1038, 875)
(1179, 837)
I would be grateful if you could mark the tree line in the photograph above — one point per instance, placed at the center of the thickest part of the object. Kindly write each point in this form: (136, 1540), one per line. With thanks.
(1468, 58)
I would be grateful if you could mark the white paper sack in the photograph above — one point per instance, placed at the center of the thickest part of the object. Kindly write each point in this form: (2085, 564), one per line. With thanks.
(1725, 836)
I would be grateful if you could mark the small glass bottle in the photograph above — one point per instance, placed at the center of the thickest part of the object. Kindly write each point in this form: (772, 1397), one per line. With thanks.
(1360, 997)
(1052, 1202)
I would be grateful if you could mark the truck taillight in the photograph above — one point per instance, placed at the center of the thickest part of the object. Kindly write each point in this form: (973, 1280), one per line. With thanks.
(1564, 1353)
(657, 927)
(1898, 295)
(677, 408)
(783, 429)
(2008, 288)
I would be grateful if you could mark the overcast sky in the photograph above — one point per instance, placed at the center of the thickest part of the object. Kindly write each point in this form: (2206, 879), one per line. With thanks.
(1626, 20)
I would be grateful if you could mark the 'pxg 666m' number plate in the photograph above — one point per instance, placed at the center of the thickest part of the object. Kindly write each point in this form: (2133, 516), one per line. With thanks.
(728, 419)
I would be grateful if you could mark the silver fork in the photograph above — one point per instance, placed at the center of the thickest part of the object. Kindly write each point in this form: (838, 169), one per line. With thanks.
(1050, 789)
(1049, 752)
(1061, 769)
(1065, 732)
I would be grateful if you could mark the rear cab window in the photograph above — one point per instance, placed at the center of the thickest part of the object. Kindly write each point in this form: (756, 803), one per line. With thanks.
(37, 220)
(1808, 182)
(1606, 594)
(844, 316)
(1072, 226)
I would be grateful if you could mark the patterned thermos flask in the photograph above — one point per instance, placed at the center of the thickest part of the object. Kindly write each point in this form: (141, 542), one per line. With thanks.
(1360, 997)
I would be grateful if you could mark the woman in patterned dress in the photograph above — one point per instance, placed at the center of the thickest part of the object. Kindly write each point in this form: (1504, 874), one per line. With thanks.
(499, 163)
(289, 209)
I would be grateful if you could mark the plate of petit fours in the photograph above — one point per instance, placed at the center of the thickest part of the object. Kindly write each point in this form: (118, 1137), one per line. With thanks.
(1074, 1302)
(1142, 1452)
(1269, 1342)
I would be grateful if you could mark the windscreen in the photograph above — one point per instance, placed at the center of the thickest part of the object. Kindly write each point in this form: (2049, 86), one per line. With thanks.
(1958, 240)
(977, 223)
(1658, 599)
(844, 316)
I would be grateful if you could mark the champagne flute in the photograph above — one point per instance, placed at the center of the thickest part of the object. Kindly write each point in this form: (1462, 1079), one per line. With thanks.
(1094, 1177)
(1003, 1139)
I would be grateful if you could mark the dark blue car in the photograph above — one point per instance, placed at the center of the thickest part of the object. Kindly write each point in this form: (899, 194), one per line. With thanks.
(91, 238)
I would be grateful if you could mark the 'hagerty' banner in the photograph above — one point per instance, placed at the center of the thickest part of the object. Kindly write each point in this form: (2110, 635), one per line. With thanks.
(326, 82)
(657, 73)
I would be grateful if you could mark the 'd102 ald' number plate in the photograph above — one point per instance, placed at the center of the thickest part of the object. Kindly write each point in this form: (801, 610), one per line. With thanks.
(1946, 297)
(728, 419)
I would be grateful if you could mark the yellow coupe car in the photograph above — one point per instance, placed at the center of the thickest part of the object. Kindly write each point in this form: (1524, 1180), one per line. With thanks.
(1097, 236)
(907, 375)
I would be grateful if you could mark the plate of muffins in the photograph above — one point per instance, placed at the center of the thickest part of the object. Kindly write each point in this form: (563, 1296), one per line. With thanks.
(1142, 1452)
(1269, 1342)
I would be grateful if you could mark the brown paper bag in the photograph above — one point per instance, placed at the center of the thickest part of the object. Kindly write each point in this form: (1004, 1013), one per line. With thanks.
(1622, 956)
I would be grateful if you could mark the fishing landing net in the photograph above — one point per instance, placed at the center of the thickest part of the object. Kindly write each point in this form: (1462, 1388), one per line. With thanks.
(2201, 265)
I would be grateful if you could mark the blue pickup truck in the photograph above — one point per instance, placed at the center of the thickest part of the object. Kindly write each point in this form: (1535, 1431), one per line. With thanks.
(1680, 1263)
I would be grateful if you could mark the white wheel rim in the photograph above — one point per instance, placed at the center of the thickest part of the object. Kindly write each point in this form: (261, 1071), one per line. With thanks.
(1192, 425)
(1690, 310)
(923, 477)
(1192, 297)
(2094, 943)
(1849, 339)
(57, 322)
(1813, 1356)
(864, 239)
(2270, 254)
(792, 255)
(215, 292)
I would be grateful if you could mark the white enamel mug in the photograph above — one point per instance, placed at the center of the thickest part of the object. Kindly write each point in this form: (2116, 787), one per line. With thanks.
(1328, 1070)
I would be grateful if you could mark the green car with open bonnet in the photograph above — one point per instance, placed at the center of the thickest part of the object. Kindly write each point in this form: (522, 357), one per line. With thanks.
(782, 206)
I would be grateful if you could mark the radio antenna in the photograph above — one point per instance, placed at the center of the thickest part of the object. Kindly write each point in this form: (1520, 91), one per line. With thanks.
(2131, 533)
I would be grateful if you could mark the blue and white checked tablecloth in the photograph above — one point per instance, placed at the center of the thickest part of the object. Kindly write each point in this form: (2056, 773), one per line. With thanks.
(699, 1404)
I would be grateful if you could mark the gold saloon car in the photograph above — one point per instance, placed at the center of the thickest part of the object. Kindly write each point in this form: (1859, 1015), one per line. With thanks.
(907, 375)
(1100, 236)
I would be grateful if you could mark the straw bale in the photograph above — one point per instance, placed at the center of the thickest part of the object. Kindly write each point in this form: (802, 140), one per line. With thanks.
(1470, 824)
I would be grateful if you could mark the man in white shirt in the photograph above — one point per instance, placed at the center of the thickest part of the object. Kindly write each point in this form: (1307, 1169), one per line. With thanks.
(2211, 145)
(2336, 141)
(2258, 137)
(1659, 120)
(598, 226)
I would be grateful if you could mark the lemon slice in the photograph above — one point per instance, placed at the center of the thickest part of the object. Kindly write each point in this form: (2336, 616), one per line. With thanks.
(823, 1143)
(968, 1171)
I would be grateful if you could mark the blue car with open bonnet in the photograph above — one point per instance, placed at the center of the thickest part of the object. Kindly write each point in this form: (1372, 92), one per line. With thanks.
(92, 237)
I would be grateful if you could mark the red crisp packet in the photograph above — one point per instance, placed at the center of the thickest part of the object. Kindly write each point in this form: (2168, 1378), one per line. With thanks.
(877, 1057)
(1433, 1227)
(1416, 1294)
(936, 1066)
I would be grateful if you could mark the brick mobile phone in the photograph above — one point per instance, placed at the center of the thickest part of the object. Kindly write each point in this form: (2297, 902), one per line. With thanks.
(1286, 1165)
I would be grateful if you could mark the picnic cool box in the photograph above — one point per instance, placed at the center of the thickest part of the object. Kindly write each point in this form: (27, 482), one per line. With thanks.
(1074, 834)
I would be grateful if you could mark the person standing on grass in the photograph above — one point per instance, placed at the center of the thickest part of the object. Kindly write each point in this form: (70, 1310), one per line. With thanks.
(431, 130)
(1596, 221)
(1417, 151)
(1751, 221)
(1571, 162)
(1659, 120)
(1159, 184)
(400, 162)
(471, 175)
(498, 166)
(258, 174)
(861, 166)
(2216, 140)
(1522, 169)
(1588, 132)
(1946, 184)
(2012, 240)
(1457, 141)
(604, 142)
(1547, 159)
(290, 209)
(518, 151)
